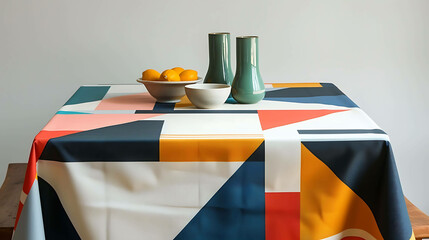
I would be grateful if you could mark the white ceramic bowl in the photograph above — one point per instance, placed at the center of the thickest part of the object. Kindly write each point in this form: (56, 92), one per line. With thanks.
(208, 95)
(167, 92)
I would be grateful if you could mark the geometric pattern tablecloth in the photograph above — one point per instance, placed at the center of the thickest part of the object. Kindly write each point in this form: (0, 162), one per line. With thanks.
(304, 163)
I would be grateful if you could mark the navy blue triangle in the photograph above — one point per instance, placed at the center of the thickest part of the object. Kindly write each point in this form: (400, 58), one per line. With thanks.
(369, 169)
(237, 210)
(340, 100)
(328, 89)
(55, 219)
(133, 141)
(327, 94)
(163, 107)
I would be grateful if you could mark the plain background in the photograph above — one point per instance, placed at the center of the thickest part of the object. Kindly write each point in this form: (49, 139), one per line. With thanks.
(377, 52)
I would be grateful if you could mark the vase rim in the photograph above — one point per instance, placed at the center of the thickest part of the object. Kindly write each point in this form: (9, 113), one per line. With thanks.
(244, 37)
(219, 33)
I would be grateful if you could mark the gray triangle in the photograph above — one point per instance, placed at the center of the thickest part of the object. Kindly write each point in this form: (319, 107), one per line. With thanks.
(30, 224)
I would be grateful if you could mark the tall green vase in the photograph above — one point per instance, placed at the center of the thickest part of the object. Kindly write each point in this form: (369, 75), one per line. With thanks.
(219, 59)
(248, 86)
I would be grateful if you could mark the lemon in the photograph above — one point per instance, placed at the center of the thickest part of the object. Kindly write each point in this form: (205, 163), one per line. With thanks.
(179, 70)
(189, 75)
(170, 75)
(151, 75)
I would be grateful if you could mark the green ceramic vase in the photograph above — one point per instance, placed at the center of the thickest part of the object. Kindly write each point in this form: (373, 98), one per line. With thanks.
(219, 59)
(248, 86)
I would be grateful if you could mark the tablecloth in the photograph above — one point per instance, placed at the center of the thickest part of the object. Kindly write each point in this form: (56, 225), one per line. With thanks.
(304, 163)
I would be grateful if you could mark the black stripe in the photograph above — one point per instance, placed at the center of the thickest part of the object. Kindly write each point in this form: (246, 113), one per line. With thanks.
(128, 84)
(342, 131)
(197, 111)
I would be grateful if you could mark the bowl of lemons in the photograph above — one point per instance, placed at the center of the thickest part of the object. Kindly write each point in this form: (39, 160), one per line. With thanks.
(168, 86)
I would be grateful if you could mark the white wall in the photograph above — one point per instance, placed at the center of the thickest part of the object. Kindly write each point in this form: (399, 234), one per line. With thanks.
(377, 52)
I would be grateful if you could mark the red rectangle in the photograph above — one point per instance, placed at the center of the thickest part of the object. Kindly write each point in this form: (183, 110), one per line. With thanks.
(282, 215)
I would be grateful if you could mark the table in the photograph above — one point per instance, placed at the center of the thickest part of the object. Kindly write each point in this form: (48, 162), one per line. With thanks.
(304, 163)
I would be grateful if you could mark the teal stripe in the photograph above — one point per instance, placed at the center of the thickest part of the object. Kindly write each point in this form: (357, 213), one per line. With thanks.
(88, 94)
(71, 112)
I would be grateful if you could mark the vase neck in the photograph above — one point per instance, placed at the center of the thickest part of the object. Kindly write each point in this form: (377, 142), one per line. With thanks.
(247, 53)
(219, 50)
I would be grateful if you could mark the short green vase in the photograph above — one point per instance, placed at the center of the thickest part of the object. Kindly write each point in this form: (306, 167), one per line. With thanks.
(219, 59)
(248, 86)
